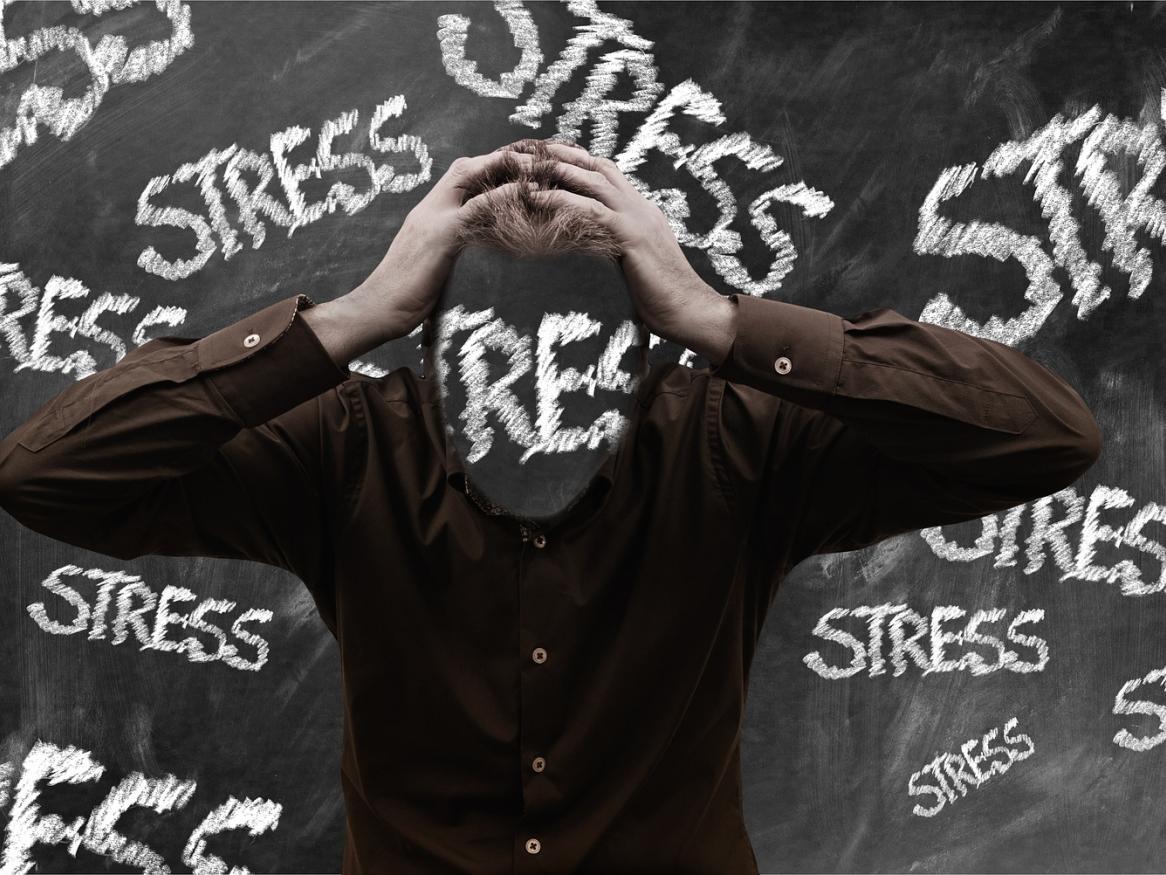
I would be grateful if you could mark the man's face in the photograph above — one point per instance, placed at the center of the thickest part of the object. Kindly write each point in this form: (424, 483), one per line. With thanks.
(536, 360)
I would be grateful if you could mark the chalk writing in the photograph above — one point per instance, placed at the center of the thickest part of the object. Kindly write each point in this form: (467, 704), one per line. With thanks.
(1135, 149)
(633, 58)
(906, 630)
(133, 601)
(1075, 555)
(48, 323)
(49, 764)
(110, 62)
(952, 772)
(483, 395)
(1122, 704)
(252, 199)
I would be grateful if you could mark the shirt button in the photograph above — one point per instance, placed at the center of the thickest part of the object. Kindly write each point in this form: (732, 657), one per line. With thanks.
(251, 340)
(782, 365)
(539, 655)
(540, 540)
(538, 764)
(533, 846)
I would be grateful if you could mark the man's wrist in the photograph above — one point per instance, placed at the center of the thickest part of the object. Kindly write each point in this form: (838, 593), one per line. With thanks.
(710, 326)
(353, 324)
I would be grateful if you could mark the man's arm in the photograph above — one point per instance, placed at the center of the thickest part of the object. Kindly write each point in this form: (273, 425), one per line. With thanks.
(884, 425)
(206, 447)
(214, 446)
(891, 425)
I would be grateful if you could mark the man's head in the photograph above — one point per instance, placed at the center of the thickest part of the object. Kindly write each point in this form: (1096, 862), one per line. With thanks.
(534, 343)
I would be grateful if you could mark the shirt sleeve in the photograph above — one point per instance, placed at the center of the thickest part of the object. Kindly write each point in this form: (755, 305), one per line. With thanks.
(186, 447)
(836, 433)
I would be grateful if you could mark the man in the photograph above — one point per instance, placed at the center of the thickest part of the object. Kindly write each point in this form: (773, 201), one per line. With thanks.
(566, 698)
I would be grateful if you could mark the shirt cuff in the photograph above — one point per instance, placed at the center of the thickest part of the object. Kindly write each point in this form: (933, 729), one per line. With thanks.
(268, 362)
(779, 346)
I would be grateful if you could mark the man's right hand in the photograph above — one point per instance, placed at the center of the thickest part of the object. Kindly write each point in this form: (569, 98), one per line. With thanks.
(406, 284)
(414, 270)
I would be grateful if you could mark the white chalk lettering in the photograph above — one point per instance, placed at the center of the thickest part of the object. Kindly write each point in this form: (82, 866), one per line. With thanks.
(1073, 554)
(952, 773)
(1103, 141)
(863, 651)
(1122, 704)
(127, 616)
(632, 57)
(213, 230)
(111, 62)
(49, 764)
(485, 393)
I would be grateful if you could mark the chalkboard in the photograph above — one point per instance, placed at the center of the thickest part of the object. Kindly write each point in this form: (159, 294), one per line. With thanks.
(169, 168)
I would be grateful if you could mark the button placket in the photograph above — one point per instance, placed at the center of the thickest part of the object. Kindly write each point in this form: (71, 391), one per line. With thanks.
(536, 694)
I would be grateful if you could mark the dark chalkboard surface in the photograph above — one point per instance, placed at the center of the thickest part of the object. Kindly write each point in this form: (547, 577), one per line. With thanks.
(984, 697)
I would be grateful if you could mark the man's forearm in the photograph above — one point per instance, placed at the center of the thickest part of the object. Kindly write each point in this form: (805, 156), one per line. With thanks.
(708, 326)
(355, 323)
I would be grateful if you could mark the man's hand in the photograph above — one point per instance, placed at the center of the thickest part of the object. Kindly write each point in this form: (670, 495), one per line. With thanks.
(406, 285)
(412, 273)
(669, 296)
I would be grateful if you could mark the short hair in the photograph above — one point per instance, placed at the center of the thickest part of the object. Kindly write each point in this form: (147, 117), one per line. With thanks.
(518, 224)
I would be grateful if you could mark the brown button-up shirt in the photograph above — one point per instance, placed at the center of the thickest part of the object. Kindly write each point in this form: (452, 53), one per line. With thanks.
(558, 700)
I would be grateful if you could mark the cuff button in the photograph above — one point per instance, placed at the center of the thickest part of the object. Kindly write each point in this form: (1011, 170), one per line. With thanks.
(782, 365)
(251, 340)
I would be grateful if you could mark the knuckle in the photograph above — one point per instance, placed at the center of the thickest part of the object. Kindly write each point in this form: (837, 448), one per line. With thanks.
(460, 165)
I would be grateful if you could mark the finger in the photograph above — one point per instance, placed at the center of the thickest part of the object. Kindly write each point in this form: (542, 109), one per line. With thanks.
(483, 200)
(461, 170)
(564, 141)
(531, 143)
(587, 161)
(559, 197)
(524, 142)
(590, 182)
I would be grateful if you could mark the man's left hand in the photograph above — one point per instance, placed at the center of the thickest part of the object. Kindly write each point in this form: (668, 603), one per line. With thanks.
(669, 296)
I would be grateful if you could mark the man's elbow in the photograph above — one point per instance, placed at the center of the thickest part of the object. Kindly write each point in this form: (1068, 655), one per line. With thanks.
(16, 475)
(1080, 450)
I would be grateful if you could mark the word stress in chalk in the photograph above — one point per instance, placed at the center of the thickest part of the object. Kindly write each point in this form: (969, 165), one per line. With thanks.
(1111, 151)
(977, 760)
(244, 176)
(545, 433)
(929, 643)
(48, 764)
(64, 310)
(131, 601)
(629, 55)
(1069, 529)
